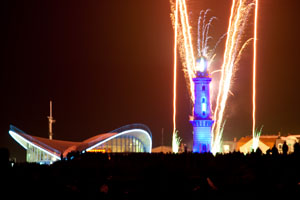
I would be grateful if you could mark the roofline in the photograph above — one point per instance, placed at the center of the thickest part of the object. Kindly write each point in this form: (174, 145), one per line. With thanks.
(132, 126)
(13, 135)
(23, 139)
(123, 133)
(33, 139)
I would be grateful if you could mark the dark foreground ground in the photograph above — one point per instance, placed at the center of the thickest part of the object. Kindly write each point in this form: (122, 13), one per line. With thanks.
(143, 176)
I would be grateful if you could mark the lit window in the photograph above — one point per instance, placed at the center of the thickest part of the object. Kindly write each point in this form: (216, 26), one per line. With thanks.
(130, 144)
(226, 148)
(133, 144)
(114, 145)
(203, 107)
(118, 144)
(123, 144)
(137, 145)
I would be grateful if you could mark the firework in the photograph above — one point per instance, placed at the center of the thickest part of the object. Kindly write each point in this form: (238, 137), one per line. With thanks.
(233, 48)
(176, 140)
(255, 139)
(183, 38)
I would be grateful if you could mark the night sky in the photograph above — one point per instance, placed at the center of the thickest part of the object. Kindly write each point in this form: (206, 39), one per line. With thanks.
(109, 63)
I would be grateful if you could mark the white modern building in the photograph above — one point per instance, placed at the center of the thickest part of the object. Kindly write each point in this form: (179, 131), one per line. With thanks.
(129, 138)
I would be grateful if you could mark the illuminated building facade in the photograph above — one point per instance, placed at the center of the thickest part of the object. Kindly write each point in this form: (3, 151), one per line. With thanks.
(267, 142)
(130, 138)
(202, 122)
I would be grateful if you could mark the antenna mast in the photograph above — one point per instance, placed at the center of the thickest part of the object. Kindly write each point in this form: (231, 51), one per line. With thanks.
(51, 121)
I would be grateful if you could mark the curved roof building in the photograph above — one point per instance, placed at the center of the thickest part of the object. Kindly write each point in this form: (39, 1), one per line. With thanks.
(129, 138)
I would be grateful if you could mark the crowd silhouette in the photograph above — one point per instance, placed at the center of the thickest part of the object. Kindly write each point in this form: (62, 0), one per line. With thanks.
(130, 175)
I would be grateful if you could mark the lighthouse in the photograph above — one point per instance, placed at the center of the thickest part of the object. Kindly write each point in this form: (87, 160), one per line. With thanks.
(202, 121)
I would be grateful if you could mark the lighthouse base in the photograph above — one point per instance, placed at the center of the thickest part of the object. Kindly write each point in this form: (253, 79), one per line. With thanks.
(202, 135)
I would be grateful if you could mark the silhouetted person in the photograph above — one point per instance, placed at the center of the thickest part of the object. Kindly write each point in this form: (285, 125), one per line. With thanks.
(258, 151)
(4, 157)
(274, 150)
(297, 148)
(268, 151)
(285, 148)
(185, 148)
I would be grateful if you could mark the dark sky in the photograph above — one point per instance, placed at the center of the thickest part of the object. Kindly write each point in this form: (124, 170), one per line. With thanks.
(109, 63)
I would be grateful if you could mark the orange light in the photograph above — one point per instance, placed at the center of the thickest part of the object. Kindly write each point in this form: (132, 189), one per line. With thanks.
(96, 151)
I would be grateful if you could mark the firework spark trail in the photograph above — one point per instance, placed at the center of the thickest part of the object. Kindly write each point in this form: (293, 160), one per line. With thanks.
(190, 44)
(175, 67)
(204, 26)
(205, 47)
(254, 70)
(189, 52)
(238, 15)
(174, 147)
(203, 37)
(199, 31)
(189, 64)
(217, 44)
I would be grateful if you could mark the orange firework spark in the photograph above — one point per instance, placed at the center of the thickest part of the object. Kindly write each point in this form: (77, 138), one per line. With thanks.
(175, 67)
(254, 69)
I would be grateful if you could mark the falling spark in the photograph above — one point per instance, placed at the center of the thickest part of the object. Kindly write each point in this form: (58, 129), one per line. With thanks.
(203, 48)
